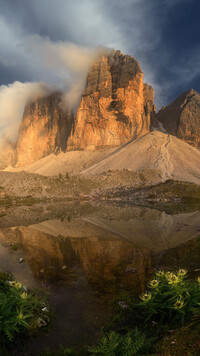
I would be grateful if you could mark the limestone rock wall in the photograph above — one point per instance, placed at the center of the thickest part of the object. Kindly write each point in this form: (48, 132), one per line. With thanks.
(115, 107)
(44, 129)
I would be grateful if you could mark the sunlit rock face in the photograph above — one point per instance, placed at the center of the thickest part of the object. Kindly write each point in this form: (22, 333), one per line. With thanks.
(182, 117)
(115, 106)
(44, 129)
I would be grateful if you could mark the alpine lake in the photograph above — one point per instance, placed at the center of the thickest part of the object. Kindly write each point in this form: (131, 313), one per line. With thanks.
(83, 256)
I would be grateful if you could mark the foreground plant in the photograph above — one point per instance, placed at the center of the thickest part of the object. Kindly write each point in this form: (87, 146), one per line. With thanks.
(114, 344)
(173, 298)
(22, 311)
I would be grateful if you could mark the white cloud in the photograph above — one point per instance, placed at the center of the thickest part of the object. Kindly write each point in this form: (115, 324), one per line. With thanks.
(13, 99)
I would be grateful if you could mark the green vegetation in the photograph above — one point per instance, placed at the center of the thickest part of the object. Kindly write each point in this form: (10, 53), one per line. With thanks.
(8, 201)
(22, 312)
(172, 300)
(132, 343)
(14, 247)
(62, 351)
(172, 188)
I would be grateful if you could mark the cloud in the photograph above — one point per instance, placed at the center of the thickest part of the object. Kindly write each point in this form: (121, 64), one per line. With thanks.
(69, 62)
(13, 99)
(161, 35)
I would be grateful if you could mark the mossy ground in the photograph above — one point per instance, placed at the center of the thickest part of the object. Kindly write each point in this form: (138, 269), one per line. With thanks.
(182, 342)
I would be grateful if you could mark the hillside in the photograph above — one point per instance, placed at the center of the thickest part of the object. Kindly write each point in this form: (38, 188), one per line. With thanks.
(167, 154)
(64, 162)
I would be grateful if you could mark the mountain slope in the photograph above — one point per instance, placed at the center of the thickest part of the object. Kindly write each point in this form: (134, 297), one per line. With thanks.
(172, 157)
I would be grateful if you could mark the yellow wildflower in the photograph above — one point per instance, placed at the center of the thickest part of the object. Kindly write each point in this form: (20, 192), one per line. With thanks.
(15, 284)
(154, 283)
(182, 272)
(173, 279)
(198, 280)
(168, 275)
(20, 316)
(24, 295)
(18, 285)
(12, 284)
(160, 273)
(179, 304)
(145, 297)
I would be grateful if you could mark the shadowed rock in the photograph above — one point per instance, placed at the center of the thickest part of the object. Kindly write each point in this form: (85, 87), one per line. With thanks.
(182, 117)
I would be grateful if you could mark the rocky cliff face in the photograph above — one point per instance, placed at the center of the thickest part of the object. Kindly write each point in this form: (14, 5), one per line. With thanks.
(115, 107)
(44, 129)
(182, 117)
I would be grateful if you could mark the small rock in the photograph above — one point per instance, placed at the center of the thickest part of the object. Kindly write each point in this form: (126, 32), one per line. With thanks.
(131, 270)
(123, 304)
(154, 322)
(41, 322)
(21, 260)
(64, 267)
(44, 309)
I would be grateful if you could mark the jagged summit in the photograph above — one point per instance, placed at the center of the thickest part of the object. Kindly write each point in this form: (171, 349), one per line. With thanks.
(116, 105)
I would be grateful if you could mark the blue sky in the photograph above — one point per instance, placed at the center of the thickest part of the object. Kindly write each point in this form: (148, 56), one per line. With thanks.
(163, 35)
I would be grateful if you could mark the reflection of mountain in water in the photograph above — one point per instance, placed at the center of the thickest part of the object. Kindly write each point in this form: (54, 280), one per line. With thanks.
(107, 261)
(185, 255)
(113, 249)
(152, 229)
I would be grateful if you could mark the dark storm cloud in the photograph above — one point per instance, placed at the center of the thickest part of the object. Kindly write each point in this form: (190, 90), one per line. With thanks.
(162, 34)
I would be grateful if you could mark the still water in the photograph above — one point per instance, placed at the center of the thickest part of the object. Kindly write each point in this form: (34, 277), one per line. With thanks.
(83, 256)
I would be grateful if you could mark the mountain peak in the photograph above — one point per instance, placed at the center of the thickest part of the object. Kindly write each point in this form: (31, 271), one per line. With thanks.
(182, 117)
